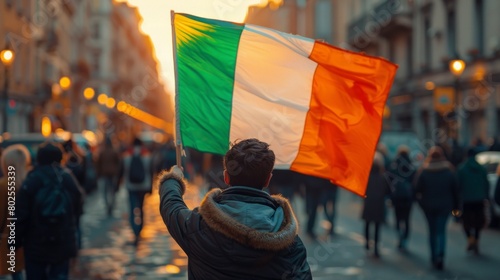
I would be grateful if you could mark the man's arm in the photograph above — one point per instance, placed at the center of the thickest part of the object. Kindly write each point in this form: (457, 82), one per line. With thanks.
(176, 215)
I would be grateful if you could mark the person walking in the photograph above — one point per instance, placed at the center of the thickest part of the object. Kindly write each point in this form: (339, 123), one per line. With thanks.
(108, 169)
(15, 163)
(329, 201)
(475, 188)
(138, 181)
(241, 232)
(401, 176)
(283, 183)
(438, 195)
(377, 191)
(315, 191)
(46, 212)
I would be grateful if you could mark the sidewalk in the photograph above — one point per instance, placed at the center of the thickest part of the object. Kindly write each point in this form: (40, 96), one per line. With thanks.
(108, 252)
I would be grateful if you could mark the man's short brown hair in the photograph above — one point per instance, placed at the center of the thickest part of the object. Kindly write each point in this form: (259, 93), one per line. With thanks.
(249, 163)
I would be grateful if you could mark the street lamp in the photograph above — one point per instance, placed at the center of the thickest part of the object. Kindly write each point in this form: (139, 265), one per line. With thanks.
(65, 83)
(457, 67)
(88, 93)
(7, 57)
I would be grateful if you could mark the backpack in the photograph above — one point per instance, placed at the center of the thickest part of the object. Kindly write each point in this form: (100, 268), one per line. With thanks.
(403, 190)
(53, 205)
(136, 172)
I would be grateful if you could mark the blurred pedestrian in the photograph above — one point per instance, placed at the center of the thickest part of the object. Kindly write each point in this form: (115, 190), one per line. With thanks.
(480, 146)
(46, 209)
(401, 178)
(74, 160)
(138, 180)
(496, 196)
(377, 191)
(382, 149)
(329, 201)
(283, 183)
(90, 168)
(495, 146)
(108, 169)
(241, 232)
(15, 163)
(214, 176)
(438, 194)
(474, 185)
(315, 190)
(457, 153)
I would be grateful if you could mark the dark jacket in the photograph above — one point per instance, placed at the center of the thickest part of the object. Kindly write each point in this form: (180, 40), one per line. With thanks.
(238, 233)
(473, 181)
(437, 188)
(108, 163)
(401, 171)
(31, 233)
(377, 191)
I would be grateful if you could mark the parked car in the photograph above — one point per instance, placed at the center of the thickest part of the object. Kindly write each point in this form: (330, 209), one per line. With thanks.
(490, 161)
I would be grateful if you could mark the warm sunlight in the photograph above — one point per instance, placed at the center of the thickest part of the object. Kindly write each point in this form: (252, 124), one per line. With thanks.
(156, 22)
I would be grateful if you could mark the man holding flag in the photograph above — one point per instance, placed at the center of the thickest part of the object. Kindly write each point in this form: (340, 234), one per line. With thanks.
(241, 232)
(319, 108)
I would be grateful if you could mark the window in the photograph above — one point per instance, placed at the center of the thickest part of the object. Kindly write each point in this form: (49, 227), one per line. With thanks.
(96, 64)
(451, 28)
(479, 25)
(409, 56)
(19, 7)
(96, 31)
(427, 42)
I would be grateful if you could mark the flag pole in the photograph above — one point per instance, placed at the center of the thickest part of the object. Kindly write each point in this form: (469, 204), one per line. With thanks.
(178, 140)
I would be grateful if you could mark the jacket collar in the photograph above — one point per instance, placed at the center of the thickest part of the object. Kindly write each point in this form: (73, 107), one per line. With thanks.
(437, 165)
(221, 222)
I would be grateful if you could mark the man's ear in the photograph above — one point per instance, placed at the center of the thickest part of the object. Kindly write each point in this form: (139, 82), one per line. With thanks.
(268, 180)
(226, 178)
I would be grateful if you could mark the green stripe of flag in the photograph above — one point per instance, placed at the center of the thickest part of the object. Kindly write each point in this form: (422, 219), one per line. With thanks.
(206, 61)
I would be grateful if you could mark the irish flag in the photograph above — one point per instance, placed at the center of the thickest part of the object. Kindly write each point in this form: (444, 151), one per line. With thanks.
(319, 107)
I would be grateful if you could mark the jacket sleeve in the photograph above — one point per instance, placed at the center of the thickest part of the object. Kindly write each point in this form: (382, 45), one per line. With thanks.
(77, 192)
(179, 220)
(301, 269)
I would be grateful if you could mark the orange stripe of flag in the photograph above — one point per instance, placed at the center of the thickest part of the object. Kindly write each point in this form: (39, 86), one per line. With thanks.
(344, 121)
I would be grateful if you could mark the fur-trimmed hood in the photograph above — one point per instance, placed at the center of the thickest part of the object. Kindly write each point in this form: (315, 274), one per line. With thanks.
(211, 209)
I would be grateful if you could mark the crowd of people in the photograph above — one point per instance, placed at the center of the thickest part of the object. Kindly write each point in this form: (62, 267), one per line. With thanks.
(446, 184)
(50, 192)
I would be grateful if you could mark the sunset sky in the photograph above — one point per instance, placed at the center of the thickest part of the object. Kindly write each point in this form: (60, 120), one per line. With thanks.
(156, 14)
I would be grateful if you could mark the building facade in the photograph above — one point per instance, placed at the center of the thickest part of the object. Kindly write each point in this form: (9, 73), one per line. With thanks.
(422, 37)
(96, 44)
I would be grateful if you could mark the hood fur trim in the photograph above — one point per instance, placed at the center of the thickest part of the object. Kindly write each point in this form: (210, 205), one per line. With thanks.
(167, 174)
(219, 221)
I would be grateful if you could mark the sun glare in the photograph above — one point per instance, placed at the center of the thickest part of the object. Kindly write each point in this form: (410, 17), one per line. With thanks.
(156, 23)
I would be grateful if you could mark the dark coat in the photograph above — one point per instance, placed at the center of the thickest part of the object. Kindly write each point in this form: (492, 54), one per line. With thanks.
(437, 188)
(222, 246)
(31, 232)
(473, 181)
(401, 171)
(377, 191)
